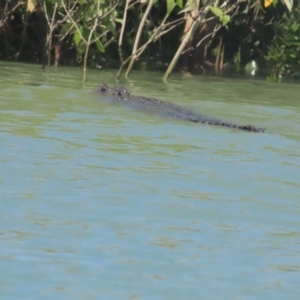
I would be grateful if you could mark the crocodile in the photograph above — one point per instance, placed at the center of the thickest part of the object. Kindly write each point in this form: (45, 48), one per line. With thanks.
(166, 108)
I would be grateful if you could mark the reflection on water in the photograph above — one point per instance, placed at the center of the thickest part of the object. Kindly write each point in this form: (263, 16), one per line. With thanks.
(101, 201)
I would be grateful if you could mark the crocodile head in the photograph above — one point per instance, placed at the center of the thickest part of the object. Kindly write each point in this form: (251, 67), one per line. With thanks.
(119, 90)
(103, 88)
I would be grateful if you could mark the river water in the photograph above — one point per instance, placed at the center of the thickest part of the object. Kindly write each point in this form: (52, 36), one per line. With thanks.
(100, 201)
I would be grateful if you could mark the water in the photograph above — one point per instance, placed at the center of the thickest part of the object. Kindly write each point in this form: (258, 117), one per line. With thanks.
(99, 201)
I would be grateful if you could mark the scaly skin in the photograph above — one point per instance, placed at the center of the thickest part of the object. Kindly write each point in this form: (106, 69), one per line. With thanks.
(166, 108)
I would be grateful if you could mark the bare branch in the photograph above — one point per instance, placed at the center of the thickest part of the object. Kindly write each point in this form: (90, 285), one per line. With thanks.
(208, 35)
(72, 20)
(134, 3)
(62, 38)
(100, 36)
(122, 31)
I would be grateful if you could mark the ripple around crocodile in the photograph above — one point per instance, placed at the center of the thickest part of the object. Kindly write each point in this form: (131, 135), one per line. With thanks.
(166, 108)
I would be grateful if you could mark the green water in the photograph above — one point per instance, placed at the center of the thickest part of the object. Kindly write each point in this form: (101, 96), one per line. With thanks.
(100, 201)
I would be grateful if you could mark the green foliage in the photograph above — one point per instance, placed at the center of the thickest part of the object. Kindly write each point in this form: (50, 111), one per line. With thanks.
(100, 46)
(179, 3)
(77, 38)
(219, 13)
(189, 6)
(80, 26)
(171, 4)
(285, 47)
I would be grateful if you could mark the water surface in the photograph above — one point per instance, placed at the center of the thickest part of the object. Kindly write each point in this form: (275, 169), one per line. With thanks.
(100, 201)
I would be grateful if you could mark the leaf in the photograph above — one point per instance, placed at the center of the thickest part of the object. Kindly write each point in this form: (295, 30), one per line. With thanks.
(289, 4)
(100, 46)
(170, 6)
(267, 2)
(77, 38)
(65, 28)
(216, 11)
(31, 4)
(118, 20)
(86, 33)
(190, 5)
(225, 19)
(179, 3)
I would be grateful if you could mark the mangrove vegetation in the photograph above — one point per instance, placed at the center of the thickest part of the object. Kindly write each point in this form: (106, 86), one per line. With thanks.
(189, 36)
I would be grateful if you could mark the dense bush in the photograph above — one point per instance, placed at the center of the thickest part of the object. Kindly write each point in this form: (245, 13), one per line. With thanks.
(190, 35)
